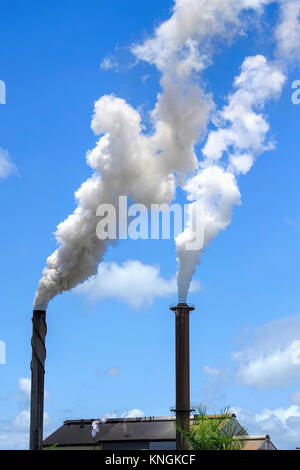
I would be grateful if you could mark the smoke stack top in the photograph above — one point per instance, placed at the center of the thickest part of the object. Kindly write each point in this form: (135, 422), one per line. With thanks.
(147, 167)
(182, 305)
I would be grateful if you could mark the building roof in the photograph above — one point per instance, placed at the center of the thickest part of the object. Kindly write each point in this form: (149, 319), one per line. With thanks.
(150, 429)
(258, 442)
(78, 432)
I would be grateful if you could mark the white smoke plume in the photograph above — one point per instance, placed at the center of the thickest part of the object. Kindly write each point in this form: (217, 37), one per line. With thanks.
(147, 166)
(229, 151)
(121, 160)
(287, 33)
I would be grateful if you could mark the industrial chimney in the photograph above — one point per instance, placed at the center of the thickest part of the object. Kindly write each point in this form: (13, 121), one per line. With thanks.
(39, 332)
(183, 407)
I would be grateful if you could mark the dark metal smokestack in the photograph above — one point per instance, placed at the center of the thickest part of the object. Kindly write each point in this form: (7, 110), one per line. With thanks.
(183, 407)
(39, 332)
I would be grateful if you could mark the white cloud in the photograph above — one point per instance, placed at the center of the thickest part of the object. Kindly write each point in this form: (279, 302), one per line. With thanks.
(109, 63)
(22, 421)
(7, 167)
(213, 388)
(295, 398)
(113, 371)
(145, 78)
(293, 222)
(213, 371)
(135, 283)
(24, 385)
(11, 439)
(14, 435)
(109, 415)
(266, 417)
(282, 424)
(135, 413)
(270, 358)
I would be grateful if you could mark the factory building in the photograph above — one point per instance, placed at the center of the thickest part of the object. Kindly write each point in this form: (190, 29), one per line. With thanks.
(152, 433)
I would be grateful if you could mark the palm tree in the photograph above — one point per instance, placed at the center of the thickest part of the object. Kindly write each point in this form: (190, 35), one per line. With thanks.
(218, 432)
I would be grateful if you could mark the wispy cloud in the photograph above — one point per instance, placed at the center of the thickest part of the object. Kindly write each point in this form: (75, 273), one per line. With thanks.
(7, 167)
(135, 413)
(14, 435)
(112, 371)
(295, 398)
(266, 359)
(293, 222)
(24, 385)
(213, 388)
(109, 63)
(282, 424)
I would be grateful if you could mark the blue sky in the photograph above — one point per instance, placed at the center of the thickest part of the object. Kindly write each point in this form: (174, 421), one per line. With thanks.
(107, 355)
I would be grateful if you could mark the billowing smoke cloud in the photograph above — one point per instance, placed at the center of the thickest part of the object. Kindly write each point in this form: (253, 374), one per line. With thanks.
(287, 33)
(121, 160)
(230, 150)
(147, 166)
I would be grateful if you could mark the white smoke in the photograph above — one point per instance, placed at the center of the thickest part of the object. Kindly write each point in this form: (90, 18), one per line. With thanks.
(147, 166)
(229, 151)
(121, 160)
(287, 33)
